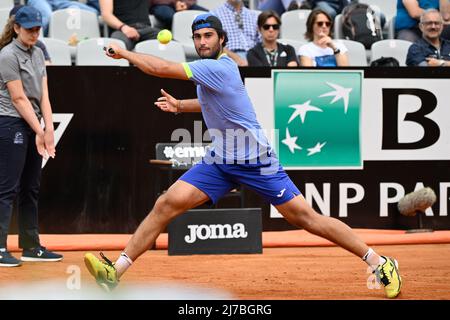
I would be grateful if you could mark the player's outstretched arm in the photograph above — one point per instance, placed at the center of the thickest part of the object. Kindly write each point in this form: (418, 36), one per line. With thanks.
(168, 103)
(148, 63)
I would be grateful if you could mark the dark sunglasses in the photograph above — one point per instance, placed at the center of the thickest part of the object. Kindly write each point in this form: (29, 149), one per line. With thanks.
(274, 26)
(321, 23)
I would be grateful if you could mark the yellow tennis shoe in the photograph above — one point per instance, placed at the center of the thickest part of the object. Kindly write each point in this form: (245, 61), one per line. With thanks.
(387, 274)
(103, 271)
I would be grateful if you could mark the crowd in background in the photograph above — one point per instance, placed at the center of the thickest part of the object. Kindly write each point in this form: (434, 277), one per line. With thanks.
(253, 34)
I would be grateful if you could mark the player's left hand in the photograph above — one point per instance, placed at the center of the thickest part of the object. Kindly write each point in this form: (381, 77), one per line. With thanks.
(167, 103)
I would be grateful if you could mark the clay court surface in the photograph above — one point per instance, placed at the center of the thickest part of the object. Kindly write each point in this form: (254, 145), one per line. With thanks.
(279, 273)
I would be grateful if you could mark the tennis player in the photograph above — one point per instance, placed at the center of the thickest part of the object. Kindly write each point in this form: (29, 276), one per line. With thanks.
(227, 109)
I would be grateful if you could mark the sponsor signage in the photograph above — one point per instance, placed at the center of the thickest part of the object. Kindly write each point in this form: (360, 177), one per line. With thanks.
(102, 181)
(181, 154)
(216, 231)
(390, 137)
(396, 119)
(318, 126)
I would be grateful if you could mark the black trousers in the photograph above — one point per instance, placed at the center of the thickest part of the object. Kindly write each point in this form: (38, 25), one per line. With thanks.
(20, 175)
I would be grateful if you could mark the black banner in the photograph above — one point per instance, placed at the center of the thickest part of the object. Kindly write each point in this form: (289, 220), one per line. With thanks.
(216, 231)
(101, 180)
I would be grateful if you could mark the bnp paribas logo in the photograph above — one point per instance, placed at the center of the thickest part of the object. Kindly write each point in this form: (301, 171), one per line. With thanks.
(317, 114)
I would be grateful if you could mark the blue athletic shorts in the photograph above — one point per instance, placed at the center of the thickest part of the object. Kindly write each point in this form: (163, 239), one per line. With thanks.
(269, 180)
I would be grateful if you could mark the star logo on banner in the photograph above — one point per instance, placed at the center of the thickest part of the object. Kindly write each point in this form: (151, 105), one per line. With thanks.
(316, 149)
(301, 110)
(339, 93)
(290, 142)
(63, 119)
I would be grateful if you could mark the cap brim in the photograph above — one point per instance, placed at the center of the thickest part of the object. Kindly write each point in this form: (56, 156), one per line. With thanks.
(29, 25)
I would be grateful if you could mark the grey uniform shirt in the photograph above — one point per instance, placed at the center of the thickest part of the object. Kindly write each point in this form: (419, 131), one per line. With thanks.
(17, 62)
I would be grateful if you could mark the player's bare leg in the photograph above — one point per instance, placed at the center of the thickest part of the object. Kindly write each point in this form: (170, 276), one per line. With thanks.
(180, 197)
(299, 213)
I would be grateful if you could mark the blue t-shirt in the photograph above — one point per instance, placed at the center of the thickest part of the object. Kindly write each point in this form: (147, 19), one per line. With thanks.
(227, 110)
(326, 61)
(404, 21)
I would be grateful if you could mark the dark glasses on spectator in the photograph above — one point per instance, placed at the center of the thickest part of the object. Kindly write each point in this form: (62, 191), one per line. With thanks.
(321, 23)
(274, 26)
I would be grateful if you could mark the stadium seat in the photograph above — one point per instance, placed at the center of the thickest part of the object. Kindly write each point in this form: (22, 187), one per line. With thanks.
(258, 12)
(391, 28)
(253, 4)
(293, 24)
(391, 48)
(4, 16)
(210, 4)
(59, 51)
(295, 43)
(337, 27)
(155, 22)
(66, 23)
(6, 4)
(90, 53)
(356, 54)
(103, 27)
(181, 30)
(173, 51)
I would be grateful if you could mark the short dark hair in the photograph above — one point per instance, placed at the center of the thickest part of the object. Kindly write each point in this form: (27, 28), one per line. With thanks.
(208, 20)
(223, 33)
(263, 16)
(309, 34)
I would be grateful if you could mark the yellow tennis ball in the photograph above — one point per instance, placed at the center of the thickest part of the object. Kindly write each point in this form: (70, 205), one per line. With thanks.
(164, 36)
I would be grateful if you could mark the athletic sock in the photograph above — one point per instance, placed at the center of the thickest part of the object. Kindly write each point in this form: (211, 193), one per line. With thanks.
(373, 259)
(122, 264)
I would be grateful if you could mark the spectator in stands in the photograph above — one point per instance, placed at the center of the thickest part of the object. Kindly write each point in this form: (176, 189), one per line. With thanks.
(39, 43)
(431, 50)
(321, 51)
(280, 6)
(241, 26)
(332, 7)
(163, 10)
(46, 7)
(407, 18)
(129, 21)
(269, 52)
(24, 102)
